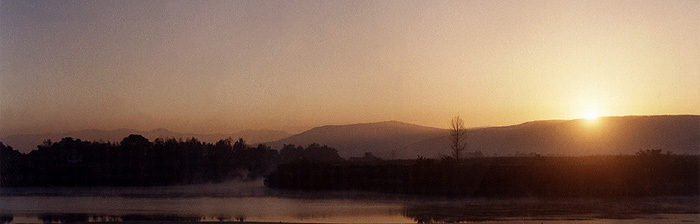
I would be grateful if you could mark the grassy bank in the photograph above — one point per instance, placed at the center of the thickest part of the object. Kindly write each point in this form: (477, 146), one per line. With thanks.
(622, 175)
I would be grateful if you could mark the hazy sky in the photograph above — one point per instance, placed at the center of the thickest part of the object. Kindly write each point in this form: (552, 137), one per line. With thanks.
(224, 66)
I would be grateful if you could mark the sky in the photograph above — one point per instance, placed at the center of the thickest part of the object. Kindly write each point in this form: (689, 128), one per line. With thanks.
(226, 66)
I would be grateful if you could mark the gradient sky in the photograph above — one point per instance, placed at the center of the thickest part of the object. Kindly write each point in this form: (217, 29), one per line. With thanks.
(224, 66)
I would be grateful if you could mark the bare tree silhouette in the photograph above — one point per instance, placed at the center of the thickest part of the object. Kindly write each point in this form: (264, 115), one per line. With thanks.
(458, 137)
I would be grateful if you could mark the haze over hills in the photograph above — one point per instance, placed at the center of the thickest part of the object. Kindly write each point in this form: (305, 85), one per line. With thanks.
(679, 134)
(387, 139)
(27, 142)
(603, 136)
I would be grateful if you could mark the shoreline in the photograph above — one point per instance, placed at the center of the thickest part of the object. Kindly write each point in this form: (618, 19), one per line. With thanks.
(649, 218)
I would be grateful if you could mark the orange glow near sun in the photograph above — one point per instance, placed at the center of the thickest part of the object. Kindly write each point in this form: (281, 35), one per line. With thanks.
(589, 106)
(591, 115)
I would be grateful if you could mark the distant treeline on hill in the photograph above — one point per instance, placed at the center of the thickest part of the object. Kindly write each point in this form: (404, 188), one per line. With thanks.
(136, 161)
(649, 173)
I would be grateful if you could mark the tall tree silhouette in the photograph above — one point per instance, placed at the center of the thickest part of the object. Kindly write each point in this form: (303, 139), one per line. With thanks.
(458, 137)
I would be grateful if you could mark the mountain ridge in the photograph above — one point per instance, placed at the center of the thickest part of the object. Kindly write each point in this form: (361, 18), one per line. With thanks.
(678, 134)
(400, 140)
(576, 137)
(384, 139)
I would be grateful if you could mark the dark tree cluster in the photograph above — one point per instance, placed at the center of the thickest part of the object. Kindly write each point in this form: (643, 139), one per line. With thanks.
(136, 161)
(314, 153)
(501, 176)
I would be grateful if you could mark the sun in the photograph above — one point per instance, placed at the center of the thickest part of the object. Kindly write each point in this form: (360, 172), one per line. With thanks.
(591, 115)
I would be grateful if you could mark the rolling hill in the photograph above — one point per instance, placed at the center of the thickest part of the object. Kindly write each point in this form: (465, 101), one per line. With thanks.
(387, 139)
(679, 134)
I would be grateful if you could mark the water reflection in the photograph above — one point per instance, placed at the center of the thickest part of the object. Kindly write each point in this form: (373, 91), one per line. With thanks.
(230, 204)
(74, 218)
(63, 209)
(677, 209)
(570, 209)
(63, 218)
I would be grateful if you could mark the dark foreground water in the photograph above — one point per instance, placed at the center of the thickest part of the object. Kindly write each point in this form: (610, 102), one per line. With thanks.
(252, 202)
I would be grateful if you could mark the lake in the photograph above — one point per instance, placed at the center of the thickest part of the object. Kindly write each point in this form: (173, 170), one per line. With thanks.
(251, 201)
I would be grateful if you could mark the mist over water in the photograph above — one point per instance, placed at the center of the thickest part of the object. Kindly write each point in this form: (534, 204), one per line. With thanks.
(251, 201)
(225, 201)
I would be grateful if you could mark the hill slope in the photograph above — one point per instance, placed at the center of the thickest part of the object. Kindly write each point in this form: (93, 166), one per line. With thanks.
(607, 135)
(679, 134)
(387, 139)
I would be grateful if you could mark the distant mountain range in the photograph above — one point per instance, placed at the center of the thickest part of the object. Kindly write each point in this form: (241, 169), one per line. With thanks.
(603, 136)
(28, 142)
(389, 139)
(679, 134)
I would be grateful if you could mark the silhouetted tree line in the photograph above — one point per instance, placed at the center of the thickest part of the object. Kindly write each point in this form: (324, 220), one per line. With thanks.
(639, 175)
(314, 153)
(136, 161)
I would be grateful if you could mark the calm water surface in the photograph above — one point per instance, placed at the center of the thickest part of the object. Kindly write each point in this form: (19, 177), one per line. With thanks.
(250, 201)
